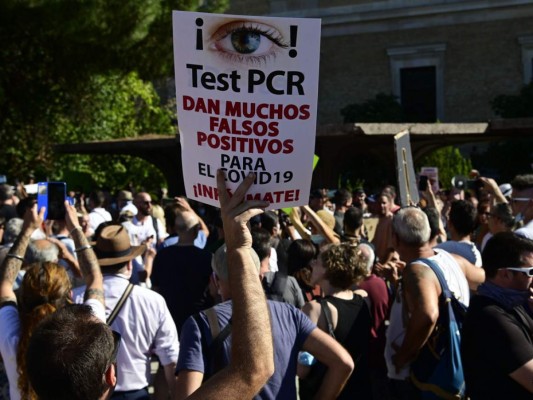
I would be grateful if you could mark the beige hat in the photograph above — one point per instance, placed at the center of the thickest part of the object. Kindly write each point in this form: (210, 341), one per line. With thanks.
(113, 246)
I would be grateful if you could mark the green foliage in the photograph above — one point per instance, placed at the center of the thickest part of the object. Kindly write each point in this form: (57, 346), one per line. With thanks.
(515, 106)
(77, 70)
(449, 161)
(382, 108)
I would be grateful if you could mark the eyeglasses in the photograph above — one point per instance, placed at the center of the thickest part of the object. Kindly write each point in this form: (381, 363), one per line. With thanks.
(525, 270)
(520, 199)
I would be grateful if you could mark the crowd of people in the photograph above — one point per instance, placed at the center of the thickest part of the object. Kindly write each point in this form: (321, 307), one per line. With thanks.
(88, 303)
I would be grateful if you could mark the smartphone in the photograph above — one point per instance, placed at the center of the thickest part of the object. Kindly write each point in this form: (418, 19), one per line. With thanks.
(52, 196)
(423, 183)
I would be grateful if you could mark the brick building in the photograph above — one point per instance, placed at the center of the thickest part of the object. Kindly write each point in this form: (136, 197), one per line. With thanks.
(444, 59)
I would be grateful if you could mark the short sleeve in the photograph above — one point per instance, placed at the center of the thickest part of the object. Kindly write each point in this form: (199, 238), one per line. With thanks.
(191, 355)
(97, 308)
(305, 326)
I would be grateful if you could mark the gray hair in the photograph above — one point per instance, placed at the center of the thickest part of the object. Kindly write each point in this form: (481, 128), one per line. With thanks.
(219, 262)
(368, 253)
(412, 226)
(41, 251)
(12, 229)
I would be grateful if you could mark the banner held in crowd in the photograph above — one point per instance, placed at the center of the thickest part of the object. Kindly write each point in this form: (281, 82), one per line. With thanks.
(246, 92)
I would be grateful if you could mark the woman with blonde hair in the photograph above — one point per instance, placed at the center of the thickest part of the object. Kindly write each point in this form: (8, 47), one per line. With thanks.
(45, 289)
(342, 313)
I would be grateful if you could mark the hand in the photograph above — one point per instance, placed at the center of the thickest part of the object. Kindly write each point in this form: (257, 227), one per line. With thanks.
(489, 184)
(63, 251)
(183, 203)
(71, 217)
(32, 219)
(235, 212)
(150, 253)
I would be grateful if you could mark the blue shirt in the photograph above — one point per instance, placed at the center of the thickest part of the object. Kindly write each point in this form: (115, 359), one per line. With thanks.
(290, 329)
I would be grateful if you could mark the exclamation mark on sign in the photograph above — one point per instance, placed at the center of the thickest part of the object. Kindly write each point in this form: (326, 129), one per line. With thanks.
(294, 36)
(199, 39)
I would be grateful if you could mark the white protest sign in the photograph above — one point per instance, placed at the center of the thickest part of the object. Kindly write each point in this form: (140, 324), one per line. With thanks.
(433, 175)
(246, 92)
(405, 170)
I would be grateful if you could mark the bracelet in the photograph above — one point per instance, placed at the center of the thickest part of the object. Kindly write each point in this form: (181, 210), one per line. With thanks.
(11, 255)
(77, 228)
(83, 248)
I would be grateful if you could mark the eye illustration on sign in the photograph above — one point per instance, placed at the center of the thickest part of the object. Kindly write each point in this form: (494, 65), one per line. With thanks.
(247, 42)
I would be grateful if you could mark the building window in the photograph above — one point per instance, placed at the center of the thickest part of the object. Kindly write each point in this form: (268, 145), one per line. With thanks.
(526, 42)
(418, 88)
(418, 80)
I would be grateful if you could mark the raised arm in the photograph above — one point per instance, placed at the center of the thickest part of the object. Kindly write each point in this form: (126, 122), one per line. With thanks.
(252, 354)
(87, 260)
(320, 226)
(14, 259)
(183, 203)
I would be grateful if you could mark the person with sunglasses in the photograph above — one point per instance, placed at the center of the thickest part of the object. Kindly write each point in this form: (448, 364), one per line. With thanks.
(522, 203)
(497, 336)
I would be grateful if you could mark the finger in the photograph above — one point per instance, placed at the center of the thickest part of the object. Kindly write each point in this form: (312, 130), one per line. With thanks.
(240, 192)
(245, 216)
(248, 205)
(41, 211)
(223, 196)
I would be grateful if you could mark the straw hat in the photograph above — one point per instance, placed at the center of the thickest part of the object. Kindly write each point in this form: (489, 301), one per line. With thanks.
(113, 246)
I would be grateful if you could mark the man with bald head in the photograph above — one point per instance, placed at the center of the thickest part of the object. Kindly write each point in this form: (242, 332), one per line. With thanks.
(181, 272)
(150, 230)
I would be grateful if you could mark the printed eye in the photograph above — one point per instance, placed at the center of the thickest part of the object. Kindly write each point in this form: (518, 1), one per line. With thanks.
(247, 42)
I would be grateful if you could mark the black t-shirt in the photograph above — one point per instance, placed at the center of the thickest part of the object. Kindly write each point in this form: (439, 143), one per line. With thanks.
(495, 343)
(181, 275)
(7, 211)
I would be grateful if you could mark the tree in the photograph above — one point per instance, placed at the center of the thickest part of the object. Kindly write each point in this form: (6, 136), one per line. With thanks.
(449, 161)
(515, 106)
(382, 108)
(75, 70)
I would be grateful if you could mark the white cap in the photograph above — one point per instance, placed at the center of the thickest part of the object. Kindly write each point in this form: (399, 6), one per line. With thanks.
(506, 189)
(128, 208)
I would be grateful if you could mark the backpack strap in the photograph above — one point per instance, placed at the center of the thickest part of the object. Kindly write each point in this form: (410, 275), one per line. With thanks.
(280, 283)
(214, 352)
(326, 312)
(211, 315)
(119, 304)
(156, 228)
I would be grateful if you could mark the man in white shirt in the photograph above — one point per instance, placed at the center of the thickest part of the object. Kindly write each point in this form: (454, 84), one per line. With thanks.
(144, 320)
(98, 213)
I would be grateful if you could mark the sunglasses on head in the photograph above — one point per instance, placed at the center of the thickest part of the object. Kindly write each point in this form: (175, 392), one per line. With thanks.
(525, 270)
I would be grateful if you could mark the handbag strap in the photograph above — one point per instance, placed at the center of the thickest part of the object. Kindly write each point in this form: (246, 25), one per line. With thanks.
(326, 312)
(440, 276)
(120, 304)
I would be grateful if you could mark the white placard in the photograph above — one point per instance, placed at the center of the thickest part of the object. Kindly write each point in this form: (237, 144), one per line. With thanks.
(246, 91)
(405, 170)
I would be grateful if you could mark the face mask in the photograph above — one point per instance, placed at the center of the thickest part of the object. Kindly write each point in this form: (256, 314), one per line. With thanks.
(317, 239)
